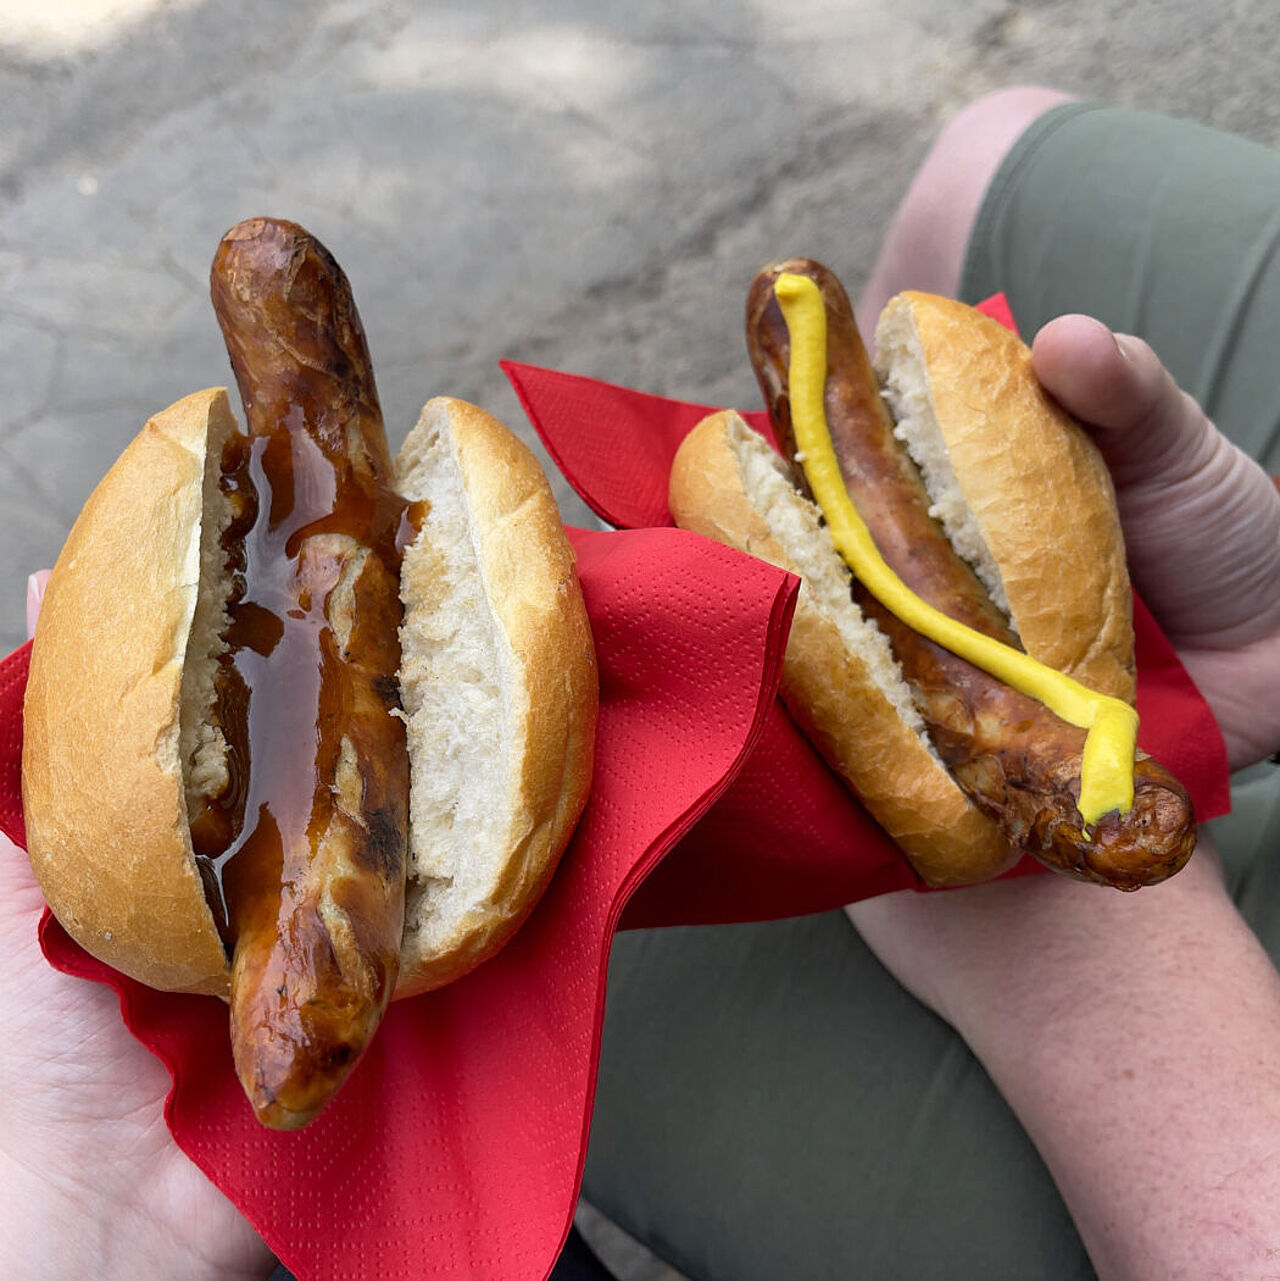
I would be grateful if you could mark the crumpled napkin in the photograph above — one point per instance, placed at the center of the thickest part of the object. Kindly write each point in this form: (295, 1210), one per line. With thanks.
(456, 1147)
(787, 831)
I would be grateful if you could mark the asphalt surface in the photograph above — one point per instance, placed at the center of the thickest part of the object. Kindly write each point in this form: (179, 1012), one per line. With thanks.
(579, 185)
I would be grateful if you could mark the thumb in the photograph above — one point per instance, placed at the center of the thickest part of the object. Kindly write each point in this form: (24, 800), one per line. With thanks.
(1147, 428)
(1201, 520)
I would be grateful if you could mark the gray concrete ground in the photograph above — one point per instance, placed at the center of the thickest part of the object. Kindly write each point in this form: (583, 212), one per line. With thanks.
(582, 185)
(577, 184)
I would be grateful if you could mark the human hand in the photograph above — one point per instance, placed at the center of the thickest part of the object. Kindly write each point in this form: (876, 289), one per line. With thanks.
(1102, 1016)
(1202, 531)
(91, 1181)
(1201, 521)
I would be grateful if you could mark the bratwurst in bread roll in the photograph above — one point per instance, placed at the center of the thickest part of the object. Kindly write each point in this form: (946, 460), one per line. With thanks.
(962, 651)
(305, 729)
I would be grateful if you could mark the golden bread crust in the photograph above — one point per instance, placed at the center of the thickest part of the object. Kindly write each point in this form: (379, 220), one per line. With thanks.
(102, 783)
(830, 691)
(1040, 491)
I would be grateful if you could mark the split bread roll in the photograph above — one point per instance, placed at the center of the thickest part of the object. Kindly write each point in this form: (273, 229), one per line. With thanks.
(498, 684)
(1022, 494)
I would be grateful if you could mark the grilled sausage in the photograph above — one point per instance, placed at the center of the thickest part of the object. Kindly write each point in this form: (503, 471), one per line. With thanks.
(1017, 761)
(304, 851)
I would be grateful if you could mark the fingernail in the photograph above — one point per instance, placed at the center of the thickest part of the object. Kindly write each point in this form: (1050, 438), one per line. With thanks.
(1126, 345)
(35, 597)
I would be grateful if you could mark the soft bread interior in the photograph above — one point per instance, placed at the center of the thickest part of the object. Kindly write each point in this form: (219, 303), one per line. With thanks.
(795, 524)
(840, 680)
(904, 377)
(1020, 489)
(465, 710)
(498, 685)
(204, 749)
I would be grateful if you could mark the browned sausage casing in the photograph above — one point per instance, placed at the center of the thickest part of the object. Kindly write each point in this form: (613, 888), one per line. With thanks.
(305, 854)
(1013, 757)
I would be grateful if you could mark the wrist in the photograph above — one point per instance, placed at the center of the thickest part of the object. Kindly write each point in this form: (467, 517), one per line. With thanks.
(1017, 952)
(1047, 953)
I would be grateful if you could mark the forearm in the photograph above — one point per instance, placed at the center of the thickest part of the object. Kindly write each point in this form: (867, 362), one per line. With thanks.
(1137, 1037)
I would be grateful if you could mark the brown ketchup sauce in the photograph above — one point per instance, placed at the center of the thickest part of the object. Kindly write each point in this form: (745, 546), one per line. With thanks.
(284, 691)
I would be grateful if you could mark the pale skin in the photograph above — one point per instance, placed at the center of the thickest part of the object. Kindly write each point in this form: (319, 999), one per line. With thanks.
(91, 1181)
(1137, 1037)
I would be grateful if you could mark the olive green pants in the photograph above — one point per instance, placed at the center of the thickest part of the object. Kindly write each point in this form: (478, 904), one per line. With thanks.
(771, 1103)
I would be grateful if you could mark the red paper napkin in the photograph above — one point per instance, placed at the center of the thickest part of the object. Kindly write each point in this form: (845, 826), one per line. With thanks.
(455, 1150)
(790, 836)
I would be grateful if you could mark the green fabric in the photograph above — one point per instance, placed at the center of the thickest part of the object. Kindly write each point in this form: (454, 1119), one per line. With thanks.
(1159, 227)
(771, 1103)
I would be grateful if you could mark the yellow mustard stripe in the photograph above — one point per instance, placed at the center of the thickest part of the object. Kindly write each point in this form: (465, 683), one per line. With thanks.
(1106, 775)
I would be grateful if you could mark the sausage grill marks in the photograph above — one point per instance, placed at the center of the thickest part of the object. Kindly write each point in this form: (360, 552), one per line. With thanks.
(1014, 758)
(304, 854)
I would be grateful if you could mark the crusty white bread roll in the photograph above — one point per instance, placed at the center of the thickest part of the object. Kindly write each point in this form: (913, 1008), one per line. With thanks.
(1021, 491)
(1023, 495)
(498, 684)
